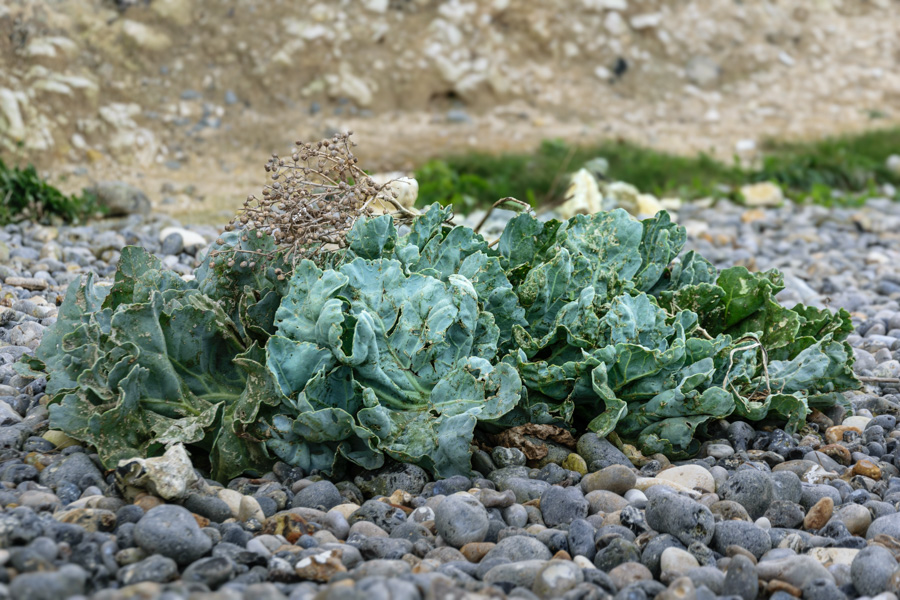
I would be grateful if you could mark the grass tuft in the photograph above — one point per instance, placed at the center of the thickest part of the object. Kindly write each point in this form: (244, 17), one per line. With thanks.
(832, 170)
(24, 195)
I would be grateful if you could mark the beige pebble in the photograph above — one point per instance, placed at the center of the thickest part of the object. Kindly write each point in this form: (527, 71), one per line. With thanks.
(693, 477)
(677, 561)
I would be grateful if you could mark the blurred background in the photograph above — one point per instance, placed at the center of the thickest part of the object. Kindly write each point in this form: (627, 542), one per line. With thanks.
(478, 99)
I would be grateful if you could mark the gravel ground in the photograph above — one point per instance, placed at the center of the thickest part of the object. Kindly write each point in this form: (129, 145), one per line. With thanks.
(756, 514)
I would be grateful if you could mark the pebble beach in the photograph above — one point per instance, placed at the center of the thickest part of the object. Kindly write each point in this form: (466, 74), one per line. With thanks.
(758, 513)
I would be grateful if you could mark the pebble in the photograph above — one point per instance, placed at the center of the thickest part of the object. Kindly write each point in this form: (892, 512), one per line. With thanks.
(617, 479)
(172, 531)
(66, 582)
(460, 519)
(682, 517)
(156, 568)
(677, 561)
(856, 518)
(751, 489)
(517, 574)
(556, 578)
(795, 570)
(872, 569)
(819, 514)
(743, 534)
(693, 477)
(517, 548)
(630, 572)
(741, 578)
(561, 506)
(887, 525)
(322, 495)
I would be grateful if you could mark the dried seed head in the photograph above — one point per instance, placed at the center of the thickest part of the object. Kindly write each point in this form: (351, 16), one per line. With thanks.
(313, 200)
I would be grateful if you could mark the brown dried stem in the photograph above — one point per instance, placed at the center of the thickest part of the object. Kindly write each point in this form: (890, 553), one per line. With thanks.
(315, 197)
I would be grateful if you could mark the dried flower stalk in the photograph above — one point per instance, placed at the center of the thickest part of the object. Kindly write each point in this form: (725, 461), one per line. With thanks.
(315, 197)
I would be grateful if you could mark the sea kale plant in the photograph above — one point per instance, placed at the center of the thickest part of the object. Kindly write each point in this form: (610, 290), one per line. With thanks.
(408, 338)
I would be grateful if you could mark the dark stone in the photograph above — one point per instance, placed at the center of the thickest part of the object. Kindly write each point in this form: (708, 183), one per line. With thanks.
(618, 551)
(384, 515)
(156, 568)
(212, 571)
(322, 495)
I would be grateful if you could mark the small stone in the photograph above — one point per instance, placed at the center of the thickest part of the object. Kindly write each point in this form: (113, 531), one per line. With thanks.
(321, 495)
(893, 163)
(90, 519)
(168, 476)
(819, 514)
(743, 534)
(28, 283)
(777, 585)
(765, 193)
(618, 551)
(525, 489)
(645, 483)
(172, 531)
(617, 479)
(866, 468)
(693, 477)
(888, 525)
(507, 457)
(396, 476)
(823, 589)
(787, 486)
(741, 578)
(556, 578)
(574, 462)
(367, 529)
(67, 582)
(680, 589)
(518, 574)
(782, 513)
(599, 452)
(250, 509)
(751, 489)
(517, 548)
(602, 501)
(75, 468)
(835, 435)
(475, 551)
(687, 520)
(677, 561)
(794, 570)
(155, 567)
(148, 501)
(834, 556)
(871, 570)
(381, 514)
(211, 507)
(493, 499)
(719, 451)
(627, 573)
(561, 505)
(232, 498)
(460, 519)
(856, 518)
(322, 567)
(651, 553)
